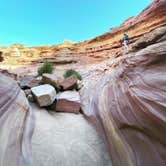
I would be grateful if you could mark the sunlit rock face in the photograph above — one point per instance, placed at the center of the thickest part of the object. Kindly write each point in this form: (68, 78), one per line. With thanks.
(127, 105)
(95, 50)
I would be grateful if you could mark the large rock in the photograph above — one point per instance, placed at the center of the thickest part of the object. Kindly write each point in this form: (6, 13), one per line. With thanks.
(44, 94)
(28, 82)
(68, 101)
(51, 79)
(69, 83)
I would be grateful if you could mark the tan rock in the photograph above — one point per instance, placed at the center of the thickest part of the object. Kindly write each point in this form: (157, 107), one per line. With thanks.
(51, 79)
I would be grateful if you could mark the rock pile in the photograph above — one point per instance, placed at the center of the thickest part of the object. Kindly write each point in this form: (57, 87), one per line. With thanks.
(53, 92)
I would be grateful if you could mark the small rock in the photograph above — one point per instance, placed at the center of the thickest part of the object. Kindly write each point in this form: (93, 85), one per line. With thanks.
(44, 94)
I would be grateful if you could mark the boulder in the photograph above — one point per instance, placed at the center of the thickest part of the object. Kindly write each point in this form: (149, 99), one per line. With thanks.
(28, 82)
(68, 101)
(69, 83)
(44, 94)
(51, 79)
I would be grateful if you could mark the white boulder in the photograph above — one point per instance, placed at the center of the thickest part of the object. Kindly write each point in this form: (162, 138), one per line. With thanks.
(44, 94)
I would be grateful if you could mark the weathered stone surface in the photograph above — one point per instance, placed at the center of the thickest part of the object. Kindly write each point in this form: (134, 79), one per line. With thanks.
(69, 83)
(51, 79)
(149, 38)
(44, 94)
(128, 104)
(68, 101)
(28, 82)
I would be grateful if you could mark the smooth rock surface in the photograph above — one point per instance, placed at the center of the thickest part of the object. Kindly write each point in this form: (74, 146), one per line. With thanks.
(16, 125)
(128, 104)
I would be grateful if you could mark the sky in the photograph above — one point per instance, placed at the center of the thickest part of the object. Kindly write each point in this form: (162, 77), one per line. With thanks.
(47, 22)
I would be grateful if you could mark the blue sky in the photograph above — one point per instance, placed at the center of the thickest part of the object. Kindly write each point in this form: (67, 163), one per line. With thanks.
(41, 22)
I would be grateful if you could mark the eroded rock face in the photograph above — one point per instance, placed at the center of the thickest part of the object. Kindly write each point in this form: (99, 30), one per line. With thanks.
(128, 106)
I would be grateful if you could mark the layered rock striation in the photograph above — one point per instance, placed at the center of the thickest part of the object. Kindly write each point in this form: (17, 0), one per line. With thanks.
(123, 97)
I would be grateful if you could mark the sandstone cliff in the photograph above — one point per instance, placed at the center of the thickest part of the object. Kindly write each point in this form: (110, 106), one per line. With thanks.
(90, 51)
(123, 97)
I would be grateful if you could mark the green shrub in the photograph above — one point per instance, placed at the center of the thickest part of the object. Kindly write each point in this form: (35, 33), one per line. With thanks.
(72, 72)
(46, 68)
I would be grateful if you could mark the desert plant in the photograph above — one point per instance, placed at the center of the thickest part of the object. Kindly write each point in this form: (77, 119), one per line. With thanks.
(72, 72)
(46, 68)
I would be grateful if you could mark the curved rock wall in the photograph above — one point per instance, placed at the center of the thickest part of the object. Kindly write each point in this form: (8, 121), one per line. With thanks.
(16, 125)
(128, 106)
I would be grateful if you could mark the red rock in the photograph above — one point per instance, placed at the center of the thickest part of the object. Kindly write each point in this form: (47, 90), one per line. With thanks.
(64, 105)
(68, 101)
(69, 83)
